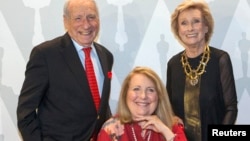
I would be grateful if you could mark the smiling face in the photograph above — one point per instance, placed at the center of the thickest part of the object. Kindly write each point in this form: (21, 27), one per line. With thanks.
(192, 28)
(142, 97)
(82, 21)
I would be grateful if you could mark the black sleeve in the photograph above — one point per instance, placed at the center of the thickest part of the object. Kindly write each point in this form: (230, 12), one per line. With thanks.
(228, 89)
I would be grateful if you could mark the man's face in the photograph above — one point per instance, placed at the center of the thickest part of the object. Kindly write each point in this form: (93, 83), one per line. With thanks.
(82, 23)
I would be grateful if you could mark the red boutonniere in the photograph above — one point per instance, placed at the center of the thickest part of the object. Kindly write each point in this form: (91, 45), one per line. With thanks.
(109, 74)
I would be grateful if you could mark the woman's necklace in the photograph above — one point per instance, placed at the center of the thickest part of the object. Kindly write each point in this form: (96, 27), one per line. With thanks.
(134, 135)
(194, 74)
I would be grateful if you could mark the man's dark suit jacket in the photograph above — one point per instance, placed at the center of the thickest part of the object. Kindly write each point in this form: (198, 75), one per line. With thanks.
(55, 103)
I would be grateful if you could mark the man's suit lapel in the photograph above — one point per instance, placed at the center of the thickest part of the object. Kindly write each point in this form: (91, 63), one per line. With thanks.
(73, 61)
(104, 64)
(102, 58)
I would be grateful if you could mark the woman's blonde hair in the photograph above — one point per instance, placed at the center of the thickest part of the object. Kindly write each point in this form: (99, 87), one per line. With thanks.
(163, 111)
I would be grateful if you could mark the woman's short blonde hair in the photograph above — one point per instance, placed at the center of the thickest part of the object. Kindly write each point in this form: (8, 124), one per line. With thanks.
(193, 4)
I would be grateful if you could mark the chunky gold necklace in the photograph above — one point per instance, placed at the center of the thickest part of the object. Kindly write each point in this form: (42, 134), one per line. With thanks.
(194, 74)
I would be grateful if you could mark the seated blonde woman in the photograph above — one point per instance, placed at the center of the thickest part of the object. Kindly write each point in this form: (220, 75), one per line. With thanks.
(144, 112)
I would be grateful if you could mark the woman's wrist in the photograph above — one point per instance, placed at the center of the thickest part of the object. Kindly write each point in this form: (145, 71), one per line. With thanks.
(169, 135)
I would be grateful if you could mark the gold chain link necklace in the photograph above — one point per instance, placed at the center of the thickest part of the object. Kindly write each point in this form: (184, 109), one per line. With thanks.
(194, 74)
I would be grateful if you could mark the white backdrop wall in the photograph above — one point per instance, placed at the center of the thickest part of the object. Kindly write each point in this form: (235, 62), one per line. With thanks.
(136, 31)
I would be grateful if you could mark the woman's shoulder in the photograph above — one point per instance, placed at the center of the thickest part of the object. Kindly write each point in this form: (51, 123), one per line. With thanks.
(175, 58)
(112, 128)
(217, 52)
(112, 123)
(178, 130)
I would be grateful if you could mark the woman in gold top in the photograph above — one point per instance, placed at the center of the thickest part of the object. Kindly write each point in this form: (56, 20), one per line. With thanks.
(200, 79)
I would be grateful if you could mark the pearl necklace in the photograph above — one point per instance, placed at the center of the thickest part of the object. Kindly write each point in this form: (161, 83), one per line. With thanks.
(133, 132)
(194, 74)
